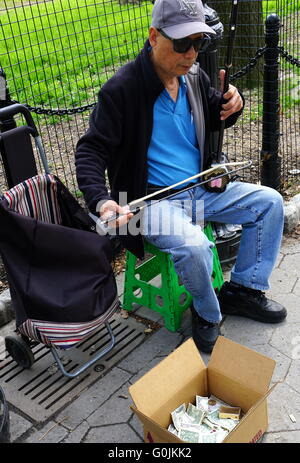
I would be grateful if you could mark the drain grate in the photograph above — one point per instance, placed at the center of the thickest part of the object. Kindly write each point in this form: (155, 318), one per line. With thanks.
(43, 390)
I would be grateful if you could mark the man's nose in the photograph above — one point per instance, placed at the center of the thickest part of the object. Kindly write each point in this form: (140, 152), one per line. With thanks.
(191, 53)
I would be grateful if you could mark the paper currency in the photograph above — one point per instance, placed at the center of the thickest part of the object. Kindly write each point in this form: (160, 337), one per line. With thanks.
(209, 438)
(202, 403)
(176, 416)
(185, 419)
(172, 429)
(214, 404)
(190, 435)
(201, 423)
(210, 424)
(225, 423)
(195, 414)
(220, 435)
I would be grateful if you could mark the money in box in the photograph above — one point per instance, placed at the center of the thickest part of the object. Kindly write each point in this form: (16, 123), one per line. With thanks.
(238, 376)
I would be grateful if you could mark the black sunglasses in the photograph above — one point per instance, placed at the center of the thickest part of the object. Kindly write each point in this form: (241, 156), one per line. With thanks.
(200, 44)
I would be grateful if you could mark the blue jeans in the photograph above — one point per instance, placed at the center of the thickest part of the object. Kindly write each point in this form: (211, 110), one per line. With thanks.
(175, 227)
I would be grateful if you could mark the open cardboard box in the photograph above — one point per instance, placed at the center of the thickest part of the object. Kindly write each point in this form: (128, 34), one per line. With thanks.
(235, 374)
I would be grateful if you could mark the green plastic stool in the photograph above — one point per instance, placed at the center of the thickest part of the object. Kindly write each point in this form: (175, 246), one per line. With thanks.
(166, 294)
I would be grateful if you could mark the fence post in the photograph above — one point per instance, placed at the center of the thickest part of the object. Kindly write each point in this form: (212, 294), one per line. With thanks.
(270, 161)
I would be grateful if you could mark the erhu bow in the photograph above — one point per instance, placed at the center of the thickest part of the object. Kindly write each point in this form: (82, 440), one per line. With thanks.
(136, 202)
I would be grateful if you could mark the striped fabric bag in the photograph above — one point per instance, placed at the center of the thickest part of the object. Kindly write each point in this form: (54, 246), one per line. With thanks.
(63, 335)
(59, 270)
(36, 198)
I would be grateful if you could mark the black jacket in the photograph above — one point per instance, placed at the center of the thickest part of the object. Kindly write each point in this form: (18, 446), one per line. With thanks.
(120, 133)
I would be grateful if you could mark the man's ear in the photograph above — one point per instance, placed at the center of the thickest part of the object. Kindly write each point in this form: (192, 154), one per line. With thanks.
(153, 33)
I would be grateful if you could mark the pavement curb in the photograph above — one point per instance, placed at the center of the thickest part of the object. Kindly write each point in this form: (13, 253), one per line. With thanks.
(291, 220)
(292, 214)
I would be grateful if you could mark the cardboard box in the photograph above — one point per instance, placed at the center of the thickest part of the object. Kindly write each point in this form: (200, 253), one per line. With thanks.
(235, 374)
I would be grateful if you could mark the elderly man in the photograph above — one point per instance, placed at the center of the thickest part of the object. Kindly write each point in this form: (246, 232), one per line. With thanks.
(150, 130)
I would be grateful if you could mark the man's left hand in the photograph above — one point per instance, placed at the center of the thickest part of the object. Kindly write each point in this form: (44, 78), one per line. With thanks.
(234, 99)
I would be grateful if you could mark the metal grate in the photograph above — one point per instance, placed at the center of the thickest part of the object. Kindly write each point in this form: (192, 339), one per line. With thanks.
(43, 390)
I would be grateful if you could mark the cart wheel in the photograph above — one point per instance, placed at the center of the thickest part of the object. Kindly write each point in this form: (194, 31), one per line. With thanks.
(19, 351)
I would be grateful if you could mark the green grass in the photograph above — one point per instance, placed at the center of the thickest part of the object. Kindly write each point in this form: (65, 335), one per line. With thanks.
(58, 51)
(281, 6)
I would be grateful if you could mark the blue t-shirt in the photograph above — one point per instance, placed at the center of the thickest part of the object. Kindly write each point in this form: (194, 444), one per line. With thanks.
(173, 153)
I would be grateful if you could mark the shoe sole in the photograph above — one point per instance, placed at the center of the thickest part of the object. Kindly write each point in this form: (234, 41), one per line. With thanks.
(226, 310)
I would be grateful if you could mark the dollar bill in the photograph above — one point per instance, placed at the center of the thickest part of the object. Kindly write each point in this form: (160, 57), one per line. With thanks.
(177, 414)
(172, 429)
(196, 415)
(225, 423)
(213, 415)
(200, 423)
(214, 404)
(220, 435)
(228, 423)
(202, 403)
(210, 424)
(186, 419)
(209, 438)
(190, 435)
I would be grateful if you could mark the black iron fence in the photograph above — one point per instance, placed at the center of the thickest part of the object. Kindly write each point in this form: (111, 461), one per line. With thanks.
(56, 54)
(266, 68)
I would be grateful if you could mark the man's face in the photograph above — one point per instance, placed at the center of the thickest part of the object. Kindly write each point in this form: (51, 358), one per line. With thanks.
(171, 63)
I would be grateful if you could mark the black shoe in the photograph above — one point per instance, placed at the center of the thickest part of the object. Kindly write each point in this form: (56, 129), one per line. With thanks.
(204, 333)
(235, 299)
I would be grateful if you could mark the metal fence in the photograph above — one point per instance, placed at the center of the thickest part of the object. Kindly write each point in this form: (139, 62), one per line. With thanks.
(56, 54)
(245, 140)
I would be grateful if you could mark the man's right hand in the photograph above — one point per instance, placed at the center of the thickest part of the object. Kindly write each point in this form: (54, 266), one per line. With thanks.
(110, 208)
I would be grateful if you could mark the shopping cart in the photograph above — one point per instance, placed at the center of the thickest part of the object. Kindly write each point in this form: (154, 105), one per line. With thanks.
(58, 268)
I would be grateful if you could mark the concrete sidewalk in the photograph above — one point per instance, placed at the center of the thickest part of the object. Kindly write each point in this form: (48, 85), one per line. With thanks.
(101, 413)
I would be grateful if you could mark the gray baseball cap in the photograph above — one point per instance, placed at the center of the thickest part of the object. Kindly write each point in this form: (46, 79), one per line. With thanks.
(180, 18)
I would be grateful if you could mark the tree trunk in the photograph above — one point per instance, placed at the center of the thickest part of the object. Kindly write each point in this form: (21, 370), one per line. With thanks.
(249, 37)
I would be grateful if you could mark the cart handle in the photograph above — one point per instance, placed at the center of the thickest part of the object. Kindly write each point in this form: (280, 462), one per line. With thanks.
(16, 108)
